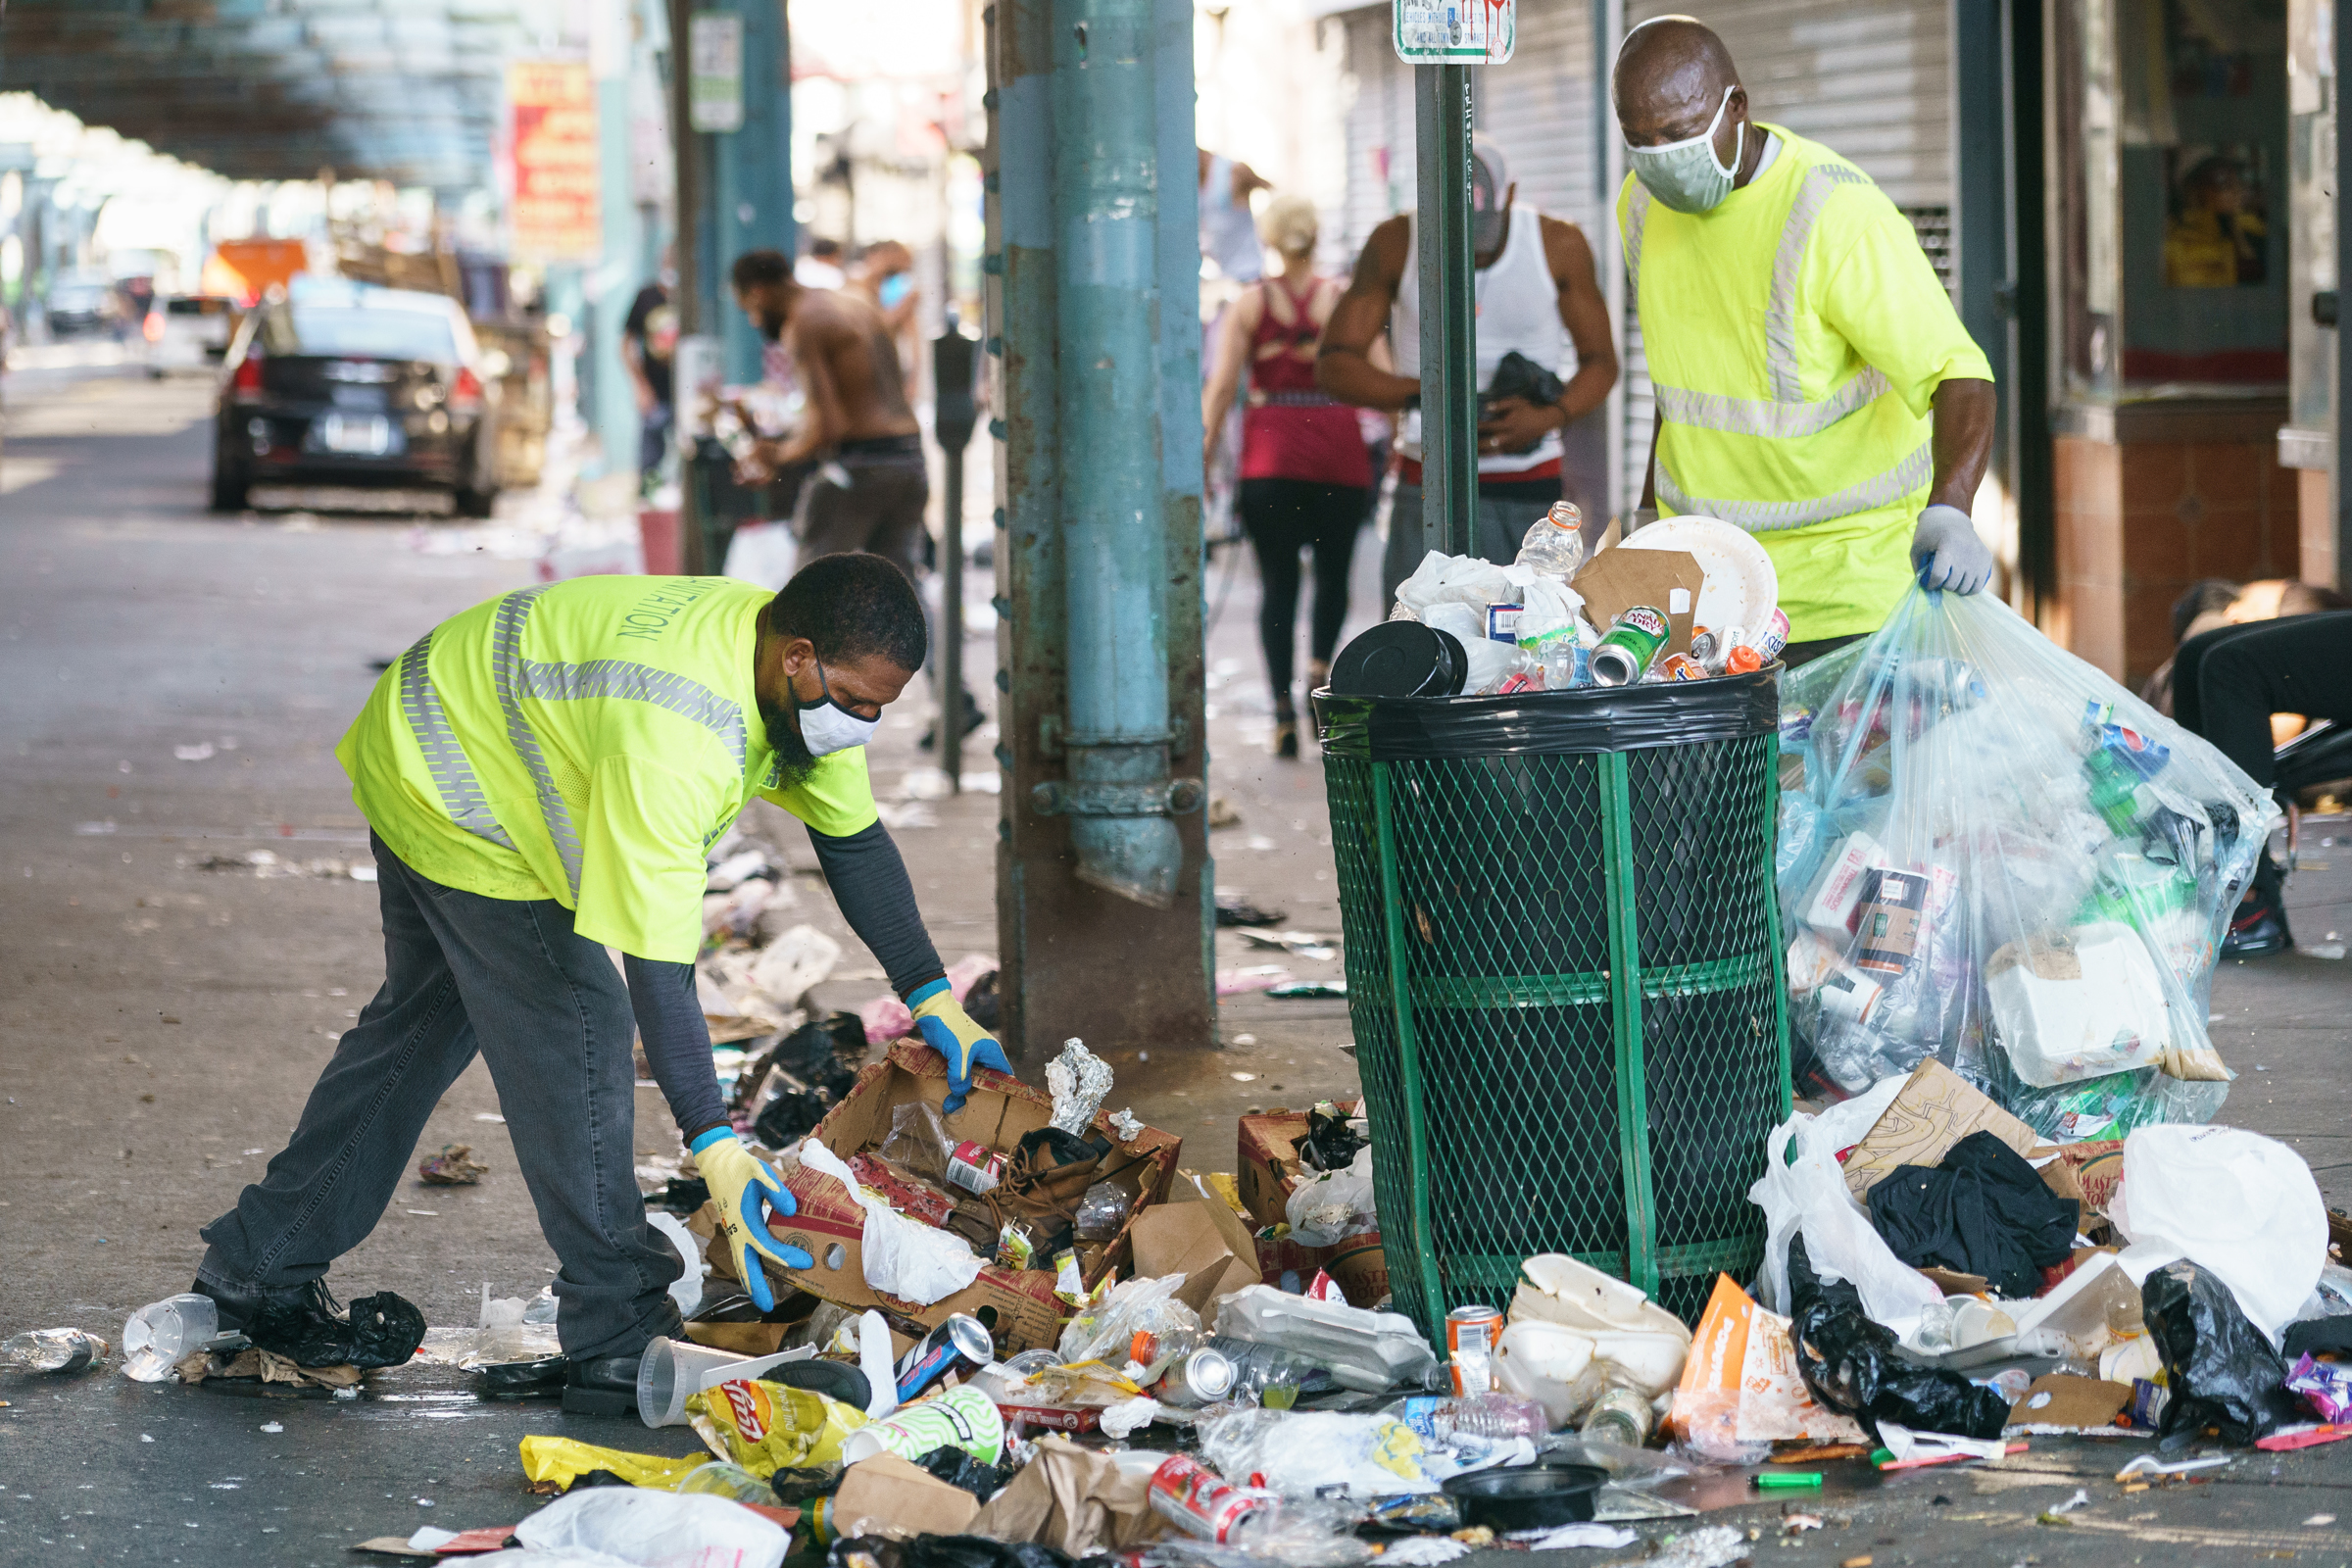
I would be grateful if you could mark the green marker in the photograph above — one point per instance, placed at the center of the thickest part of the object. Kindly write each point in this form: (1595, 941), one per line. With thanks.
(1787, 1481)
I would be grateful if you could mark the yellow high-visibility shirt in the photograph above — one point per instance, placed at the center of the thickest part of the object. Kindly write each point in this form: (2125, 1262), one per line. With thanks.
(585, 742)
(1795, 335)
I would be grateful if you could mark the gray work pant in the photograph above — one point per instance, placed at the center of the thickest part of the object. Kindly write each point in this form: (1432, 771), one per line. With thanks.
(551, 1016)
(1501, 524)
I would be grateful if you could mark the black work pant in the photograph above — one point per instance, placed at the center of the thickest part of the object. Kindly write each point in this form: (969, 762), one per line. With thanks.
(2227, 683)
(1284, 516)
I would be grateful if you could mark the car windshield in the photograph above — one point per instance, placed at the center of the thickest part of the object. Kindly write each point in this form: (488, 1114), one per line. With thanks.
(360, 332)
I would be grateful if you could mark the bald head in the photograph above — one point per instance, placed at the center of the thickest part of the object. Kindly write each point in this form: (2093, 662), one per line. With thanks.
(1670, 79)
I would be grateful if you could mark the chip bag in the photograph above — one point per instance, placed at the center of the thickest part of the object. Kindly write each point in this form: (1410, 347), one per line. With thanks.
(561, 1461)
(1995, 855)
(767, 1427)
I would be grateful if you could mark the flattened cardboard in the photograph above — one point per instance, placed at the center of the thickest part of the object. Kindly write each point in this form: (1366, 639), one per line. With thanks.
(744, 1339)
(1018, 1305)
(885, 1496)
(1616, 580)
(1952, 1283)
(1203, 1239)
(1934, 1111)
(2075, 1405)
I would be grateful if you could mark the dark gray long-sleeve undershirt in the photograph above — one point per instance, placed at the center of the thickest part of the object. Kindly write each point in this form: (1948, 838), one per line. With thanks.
(869, 882)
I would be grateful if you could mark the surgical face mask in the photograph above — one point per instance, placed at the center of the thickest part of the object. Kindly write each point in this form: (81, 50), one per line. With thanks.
(827, 727)
(1686, 175)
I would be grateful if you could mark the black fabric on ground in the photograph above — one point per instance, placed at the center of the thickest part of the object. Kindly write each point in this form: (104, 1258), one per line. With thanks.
(678, 1041)
(869, 882)
(2219, 1369)
(1851, 1366)
(1983, 1211)
(381, 1330)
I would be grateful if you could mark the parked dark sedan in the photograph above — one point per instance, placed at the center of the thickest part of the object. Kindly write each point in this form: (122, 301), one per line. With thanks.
(353, 385)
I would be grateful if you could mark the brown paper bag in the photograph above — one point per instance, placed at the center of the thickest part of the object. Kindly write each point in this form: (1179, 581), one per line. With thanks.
(1074, 1500)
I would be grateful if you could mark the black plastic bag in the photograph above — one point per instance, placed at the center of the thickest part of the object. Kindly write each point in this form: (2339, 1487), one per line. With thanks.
(978, 1551)
(788, 1118)
(381, 1330)
(1850, 1364)
(1329, 1144)
(1983, 1210)
(2219, 1369)
(681, 1195)
(957, 1468)
(796, 1486)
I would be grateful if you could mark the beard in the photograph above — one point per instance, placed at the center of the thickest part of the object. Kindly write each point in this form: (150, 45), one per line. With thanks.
(794, 761)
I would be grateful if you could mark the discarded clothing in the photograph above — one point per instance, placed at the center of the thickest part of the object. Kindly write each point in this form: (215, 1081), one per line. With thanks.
(1983, 1211)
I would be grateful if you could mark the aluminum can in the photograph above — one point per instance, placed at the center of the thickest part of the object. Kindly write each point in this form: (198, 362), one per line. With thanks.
(1470, 1333)
(1201, 1502)
(1201, 1378)
(1623, 656)
(976, 1168)
(1682, 666)
(961, 1337)
(1773, 637)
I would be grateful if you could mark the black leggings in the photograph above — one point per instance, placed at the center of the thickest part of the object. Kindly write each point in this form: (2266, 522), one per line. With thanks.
(2227, 683)
(1283, 517)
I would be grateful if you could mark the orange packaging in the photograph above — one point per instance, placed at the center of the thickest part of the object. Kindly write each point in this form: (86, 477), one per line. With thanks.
(1741, 1386)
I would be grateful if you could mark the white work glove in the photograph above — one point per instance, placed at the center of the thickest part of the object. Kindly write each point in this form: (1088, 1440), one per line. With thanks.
(1946, 553)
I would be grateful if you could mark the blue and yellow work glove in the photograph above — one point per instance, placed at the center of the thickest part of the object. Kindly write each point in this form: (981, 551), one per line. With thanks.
(746, 1193)
(949, 1030)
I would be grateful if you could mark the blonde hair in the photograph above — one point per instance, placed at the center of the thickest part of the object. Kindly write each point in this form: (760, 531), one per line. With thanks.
(1289, 224)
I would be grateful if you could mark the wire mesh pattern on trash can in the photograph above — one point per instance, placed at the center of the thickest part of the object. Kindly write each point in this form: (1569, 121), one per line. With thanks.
(1584, 1043)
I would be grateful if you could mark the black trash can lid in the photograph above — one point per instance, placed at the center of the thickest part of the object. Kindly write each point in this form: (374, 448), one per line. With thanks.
(1400, 659)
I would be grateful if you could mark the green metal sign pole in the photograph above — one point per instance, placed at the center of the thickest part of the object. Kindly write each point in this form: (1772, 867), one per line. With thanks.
(1442, 123)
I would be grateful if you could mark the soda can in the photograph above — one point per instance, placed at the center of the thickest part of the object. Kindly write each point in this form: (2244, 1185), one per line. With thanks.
(1200, 1502)
(1623, 656)
(1682, 666)
(1773, 637)
(1201, 1378)
(961, 1337)
(976, 1168)
(1850, 996)
(1470, 1333)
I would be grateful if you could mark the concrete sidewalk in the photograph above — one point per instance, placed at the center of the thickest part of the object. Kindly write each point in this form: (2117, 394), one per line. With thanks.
(164, 1023)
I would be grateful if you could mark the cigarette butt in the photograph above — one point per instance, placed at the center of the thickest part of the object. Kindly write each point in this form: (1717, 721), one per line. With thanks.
(2137, 1486)
(1862, 1562)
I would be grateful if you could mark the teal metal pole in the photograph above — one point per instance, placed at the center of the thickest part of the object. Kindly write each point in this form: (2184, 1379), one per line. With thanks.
(752, 207)
(1107, 177)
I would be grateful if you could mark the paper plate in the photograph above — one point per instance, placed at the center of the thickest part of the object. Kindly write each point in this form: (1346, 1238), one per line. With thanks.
(1741, 588)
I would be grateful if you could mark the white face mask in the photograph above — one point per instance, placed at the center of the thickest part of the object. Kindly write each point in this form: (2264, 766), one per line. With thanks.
(826, 726)
(1686, 175)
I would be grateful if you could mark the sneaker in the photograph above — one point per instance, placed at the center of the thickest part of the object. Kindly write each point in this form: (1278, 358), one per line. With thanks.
(2259, 927)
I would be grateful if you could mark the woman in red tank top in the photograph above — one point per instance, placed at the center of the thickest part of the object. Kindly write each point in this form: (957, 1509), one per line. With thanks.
(1304, 476)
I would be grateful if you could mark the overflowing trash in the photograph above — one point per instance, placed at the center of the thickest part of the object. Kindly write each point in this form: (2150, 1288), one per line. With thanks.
(1688, 599)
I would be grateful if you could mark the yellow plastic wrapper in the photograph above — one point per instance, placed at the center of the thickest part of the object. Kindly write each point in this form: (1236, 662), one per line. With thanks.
(563, 1460)
(767, 1427)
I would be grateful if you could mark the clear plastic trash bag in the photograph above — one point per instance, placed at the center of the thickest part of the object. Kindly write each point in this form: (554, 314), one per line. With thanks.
(1992, 854)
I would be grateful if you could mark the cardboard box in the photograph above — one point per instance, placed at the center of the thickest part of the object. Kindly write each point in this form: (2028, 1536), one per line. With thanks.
(1266, 1163)
(1360, 1266)
(887, 1496)
(1018, 1305)
(2088, 1171)
(1934, 1111)
(1200, 1237)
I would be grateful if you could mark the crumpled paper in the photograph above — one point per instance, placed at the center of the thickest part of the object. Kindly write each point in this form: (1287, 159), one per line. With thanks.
(1074, 1500)
(267, 1365)
(901, 1257)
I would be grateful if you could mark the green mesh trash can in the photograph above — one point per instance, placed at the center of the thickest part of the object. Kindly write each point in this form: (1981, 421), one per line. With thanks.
(1564, 970)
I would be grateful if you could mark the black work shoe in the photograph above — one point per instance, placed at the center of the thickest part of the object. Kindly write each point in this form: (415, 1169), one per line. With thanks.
(603, 1385)
(237, 1307)
(2257, 930)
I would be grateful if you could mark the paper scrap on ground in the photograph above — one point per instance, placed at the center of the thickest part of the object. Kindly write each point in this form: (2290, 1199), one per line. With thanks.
(1561, 1536)
(1424, 1552)
(1905, 1443)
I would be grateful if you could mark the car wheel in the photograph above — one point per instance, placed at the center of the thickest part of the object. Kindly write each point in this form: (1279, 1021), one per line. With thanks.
(230, 484)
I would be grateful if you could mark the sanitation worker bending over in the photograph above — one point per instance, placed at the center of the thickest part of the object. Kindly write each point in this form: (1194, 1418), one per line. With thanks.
(542, 774)
(1813, 383)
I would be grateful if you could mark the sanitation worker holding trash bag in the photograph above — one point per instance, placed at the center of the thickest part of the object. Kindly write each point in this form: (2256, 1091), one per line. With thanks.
(1813, 383)
(543, 774)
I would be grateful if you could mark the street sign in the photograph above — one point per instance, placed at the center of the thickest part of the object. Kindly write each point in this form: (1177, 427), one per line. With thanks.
(1456, 32)
(714, 70)
(556, 212)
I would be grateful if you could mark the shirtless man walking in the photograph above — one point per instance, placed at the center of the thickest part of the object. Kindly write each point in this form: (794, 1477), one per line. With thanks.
(869, 493)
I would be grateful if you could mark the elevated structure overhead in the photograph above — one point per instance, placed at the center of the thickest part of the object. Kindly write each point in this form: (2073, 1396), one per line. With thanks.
(403, 90)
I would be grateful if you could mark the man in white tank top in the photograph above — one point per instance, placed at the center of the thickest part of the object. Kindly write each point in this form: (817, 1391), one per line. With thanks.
(1536, 295)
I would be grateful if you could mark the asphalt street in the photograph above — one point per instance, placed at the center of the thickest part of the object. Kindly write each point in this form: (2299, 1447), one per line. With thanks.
(176, 684)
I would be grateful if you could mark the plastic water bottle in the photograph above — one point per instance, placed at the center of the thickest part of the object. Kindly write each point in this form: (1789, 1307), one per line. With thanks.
(1475, 1415)
(160, 1334)
(50, 1351)
(1556, 545)
(1258, 1367)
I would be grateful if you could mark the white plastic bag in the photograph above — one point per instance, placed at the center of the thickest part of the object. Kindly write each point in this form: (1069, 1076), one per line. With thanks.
(2230, 1200)
(650, 1530)
(1335, 1206)
(1304, 1454)
(1807, 1195)
(1453, 579)
(900, 1256)
(762, 552)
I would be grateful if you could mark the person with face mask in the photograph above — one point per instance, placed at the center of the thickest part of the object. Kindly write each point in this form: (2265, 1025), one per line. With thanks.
(1812, 381)
(541, 775)
(1537, 298)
